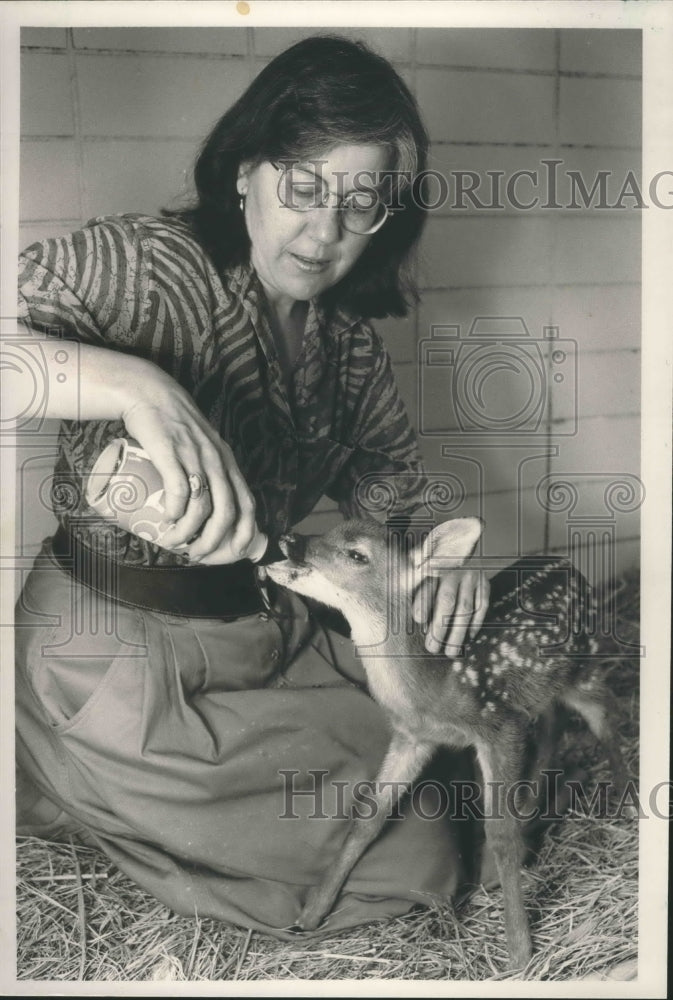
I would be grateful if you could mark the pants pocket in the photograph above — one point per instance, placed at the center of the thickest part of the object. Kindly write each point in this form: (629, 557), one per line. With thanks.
(75, 659)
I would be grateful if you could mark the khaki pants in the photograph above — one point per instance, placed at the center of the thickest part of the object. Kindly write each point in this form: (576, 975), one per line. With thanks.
(215, 762)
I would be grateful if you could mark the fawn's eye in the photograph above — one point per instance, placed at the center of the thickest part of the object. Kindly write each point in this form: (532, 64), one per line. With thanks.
(357, 556)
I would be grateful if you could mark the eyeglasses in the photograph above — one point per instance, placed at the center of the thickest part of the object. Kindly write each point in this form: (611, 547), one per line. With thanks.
(361, 212)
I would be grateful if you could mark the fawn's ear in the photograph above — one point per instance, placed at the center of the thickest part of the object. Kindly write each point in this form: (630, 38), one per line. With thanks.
(447, 546)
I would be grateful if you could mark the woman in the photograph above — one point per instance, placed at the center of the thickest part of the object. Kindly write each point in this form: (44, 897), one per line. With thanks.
(208, 743)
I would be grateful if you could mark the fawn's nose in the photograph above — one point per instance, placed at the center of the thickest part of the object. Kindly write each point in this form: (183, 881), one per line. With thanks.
(293, 546)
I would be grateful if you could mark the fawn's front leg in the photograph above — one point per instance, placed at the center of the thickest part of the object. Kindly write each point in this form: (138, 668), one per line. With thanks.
(402, 764)
(499, 765)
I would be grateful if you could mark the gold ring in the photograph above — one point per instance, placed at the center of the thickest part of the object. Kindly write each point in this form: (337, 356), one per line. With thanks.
(196, 485)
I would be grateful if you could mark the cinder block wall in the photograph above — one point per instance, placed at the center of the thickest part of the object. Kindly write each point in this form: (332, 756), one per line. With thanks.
(112, 119)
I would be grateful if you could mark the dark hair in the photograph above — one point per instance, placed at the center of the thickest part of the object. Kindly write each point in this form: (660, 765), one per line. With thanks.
(322, 92)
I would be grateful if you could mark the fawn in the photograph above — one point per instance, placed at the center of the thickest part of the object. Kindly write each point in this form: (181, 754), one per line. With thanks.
(483, 700)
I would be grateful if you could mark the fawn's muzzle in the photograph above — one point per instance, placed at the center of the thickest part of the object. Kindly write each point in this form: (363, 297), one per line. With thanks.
(293, 547)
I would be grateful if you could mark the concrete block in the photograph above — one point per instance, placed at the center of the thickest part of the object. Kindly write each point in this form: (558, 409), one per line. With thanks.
(599, 317)
(600, 180)
(460, 307)
(462, 106)
(128, 176)
(485, 251)
(319, 522)
(224, 41)
(152, 96)
(399, 336)
(43, 38)
(602, 50)
(513, 527)
(46, 98)
(474, 179)
(608, 384)
(600, 112)
(606, 444)
(490, 466)
(491, 48)
(48, 183)
(597, 250)
(597, 510)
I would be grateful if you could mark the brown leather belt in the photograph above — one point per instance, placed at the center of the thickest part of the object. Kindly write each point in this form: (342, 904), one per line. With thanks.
(228, 592)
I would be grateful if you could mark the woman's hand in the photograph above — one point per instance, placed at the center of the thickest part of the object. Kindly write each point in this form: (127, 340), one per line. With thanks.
(219, 524)
(88, 382)
(449, 606)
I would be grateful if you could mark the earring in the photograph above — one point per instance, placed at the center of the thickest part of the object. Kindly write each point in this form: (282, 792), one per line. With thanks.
(241, 203)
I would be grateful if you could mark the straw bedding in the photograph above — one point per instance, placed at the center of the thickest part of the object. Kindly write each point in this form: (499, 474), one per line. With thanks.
(78, 918)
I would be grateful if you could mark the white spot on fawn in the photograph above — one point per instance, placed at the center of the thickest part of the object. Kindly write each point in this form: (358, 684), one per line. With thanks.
(472, 676)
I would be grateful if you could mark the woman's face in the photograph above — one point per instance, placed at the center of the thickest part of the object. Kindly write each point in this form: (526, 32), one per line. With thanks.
(299, 255)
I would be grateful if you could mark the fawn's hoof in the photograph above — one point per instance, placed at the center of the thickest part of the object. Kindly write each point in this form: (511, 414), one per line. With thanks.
(313, 912)
(310, 919)
(520, 955)
(519, 944)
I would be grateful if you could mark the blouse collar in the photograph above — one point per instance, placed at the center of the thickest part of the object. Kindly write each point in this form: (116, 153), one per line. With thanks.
(244, 279)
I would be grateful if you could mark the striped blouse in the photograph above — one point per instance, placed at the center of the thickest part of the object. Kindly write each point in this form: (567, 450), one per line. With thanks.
(144, 285)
